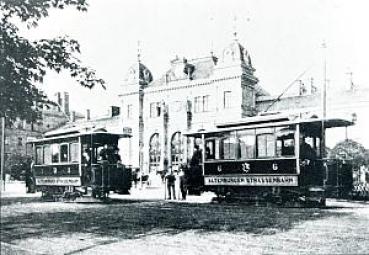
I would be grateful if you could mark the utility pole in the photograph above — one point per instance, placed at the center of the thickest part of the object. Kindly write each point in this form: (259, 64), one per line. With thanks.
(2, 151)
(324, 98)
(324, 113)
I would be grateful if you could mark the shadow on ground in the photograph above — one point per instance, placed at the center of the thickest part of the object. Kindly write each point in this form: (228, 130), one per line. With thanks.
(134, 219)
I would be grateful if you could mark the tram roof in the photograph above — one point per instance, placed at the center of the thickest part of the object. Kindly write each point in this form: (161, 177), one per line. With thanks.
(267, 121)
(80, 134)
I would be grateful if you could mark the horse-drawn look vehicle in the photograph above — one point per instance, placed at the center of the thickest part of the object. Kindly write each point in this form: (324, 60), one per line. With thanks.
(75, 164)
(269, 158)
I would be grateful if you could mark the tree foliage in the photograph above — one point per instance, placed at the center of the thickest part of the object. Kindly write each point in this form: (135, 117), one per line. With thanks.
(24, 63)
(17, 164)
(352, 150)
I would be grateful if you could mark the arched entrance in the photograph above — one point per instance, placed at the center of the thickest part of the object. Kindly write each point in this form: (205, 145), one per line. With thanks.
(154, 153)
(176, 150)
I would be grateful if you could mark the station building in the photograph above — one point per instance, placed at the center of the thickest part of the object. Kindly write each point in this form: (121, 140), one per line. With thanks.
(193, 94)
(197, 94)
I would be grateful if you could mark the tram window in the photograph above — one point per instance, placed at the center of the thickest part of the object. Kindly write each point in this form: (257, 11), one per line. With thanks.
(55, 152)
(39, 155)
(247, 144)
(266, 146)
(228, 145)
(285, 141)
(74, 152)
(285, 146)
(47, 154)
(210, 149)
(64, 153)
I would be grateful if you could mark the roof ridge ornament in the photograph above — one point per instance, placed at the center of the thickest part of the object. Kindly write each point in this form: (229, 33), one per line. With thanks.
(235, 28)
(139, 51)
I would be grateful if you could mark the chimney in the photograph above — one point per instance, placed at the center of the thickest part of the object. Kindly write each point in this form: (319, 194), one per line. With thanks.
(73, 116)
(88, 114)
(66, 103)
(114, 111)
(58, 101)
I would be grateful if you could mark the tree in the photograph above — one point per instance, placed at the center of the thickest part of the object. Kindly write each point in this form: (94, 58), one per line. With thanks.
(24, 63)
(351, 150)
(16, 165)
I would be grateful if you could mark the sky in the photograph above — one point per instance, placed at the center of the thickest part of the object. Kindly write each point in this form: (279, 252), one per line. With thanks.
(284, 39)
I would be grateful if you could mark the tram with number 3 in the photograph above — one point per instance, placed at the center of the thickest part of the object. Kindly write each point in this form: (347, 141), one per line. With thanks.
(269, 158)
(78, 163)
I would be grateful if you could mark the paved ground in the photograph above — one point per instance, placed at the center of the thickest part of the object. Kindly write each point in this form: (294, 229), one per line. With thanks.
(139, 225)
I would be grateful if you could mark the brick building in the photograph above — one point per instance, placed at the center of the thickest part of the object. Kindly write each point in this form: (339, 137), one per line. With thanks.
(19, 132)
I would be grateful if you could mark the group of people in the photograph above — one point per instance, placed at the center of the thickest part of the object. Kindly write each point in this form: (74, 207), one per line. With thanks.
(108, 152)
(184, 175)
(170, 180)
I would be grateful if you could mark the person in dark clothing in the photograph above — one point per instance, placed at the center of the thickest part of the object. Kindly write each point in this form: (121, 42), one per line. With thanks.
(103, 155)
(171, 180)
(196, 157)
(183, 182)
(30, 188)
(306, 152)
(116, 157)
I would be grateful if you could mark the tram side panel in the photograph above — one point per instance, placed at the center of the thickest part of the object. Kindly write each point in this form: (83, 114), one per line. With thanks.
(57, 178)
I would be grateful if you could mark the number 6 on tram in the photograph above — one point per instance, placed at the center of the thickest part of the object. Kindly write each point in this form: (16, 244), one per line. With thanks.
(269, 158)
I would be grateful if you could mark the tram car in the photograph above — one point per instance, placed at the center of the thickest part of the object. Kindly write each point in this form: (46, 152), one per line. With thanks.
(76, 164)
(268, 158)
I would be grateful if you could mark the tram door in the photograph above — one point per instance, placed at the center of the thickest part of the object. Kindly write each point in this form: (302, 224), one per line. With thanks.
(311, 167)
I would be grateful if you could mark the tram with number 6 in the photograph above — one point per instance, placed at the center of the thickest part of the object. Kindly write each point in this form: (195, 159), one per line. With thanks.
(269, 158)
(78, 163)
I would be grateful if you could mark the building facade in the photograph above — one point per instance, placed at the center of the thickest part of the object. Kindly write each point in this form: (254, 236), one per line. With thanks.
(194, 94)
(19, 132)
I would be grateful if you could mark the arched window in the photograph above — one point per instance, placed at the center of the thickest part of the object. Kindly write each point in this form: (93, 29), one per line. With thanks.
(176, 150)
(154, 152)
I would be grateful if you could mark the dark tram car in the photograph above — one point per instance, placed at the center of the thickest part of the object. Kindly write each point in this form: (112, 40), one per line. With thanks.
(75, 164)
(270, 158)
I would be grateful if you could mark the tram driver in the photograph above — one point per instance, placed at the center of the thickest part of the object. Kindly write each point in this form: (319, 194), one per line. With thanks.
(306, 151)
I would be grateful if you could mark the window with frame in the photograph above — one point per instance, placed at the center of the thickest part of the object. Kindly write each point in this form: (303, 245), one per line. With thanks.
(247, 140)
(210, 149)
(206, 103)
(64, 153)
(74, 152)
(285, 141)
(227, 103)
(20, 141)
(47, 154)
(154, 110)
(265, 145)
(55, 153)
(228, 146)
(39, 155)
(201, 103)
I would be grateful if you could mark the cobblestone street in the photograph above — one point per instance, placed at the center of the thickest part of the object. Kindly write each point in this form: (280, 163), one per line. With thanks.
(139, 226)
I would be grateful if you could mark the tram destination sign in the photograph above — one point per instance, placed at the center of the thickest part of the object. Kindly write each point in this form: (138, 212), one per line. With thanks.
(252, 180)
(58, 181)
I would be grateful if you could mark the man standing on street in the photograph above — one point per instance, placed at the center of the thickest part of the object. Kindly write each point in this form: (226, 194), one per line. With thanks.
(170, 180)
